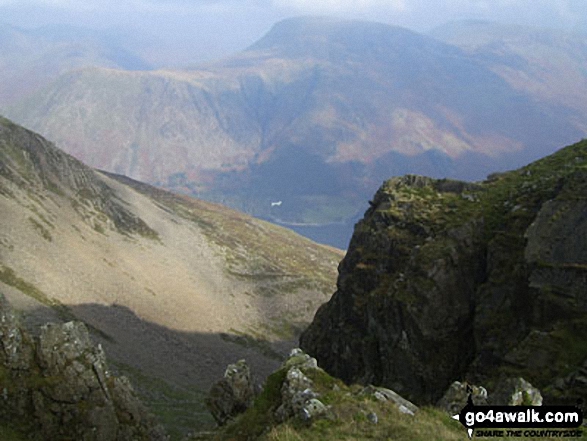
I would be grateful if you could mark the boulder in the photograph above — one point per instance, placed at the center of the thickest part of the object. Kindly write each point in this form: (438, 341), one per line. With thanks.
(457, 396)
(231, 395)
(387, 395)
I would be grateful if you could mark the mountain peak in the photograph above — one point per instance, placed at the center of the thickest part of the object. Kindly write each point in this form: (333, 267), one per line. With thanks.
(318, 36)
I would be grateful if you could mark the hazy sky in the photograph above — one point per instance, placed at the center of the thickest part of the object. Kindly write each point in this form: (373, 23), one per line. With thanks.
(213, 28)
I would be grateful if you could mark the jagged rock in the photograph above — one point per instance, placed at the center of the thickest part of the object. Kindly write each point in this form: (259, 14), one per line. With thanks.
(437, 286)
(233, 394)
(299, 358)
(391, 313)
(515, 392)
(457, 395)
(295, 392)
(387, 395)
(297, 397)
(15, 352)
(59, 386)
(66, 349)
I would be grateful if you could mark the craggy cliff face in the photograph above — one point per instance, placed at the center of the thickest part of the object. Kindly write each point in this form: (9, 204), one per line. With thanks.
(446, 281)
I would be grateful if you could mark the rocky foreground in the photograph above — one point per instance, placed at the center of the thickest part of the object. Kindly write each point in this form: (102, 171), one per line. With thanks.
(57, 386)
(300, 401)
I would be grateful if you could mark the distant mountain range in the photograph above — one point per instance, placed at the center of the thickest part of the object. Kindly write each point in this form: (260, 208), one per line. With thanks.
(31, 59)
(319, 112)
(156, 277)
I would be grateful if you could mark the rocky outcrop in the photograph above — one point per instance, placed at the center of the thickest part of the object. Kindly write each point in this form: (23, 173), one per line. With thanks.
(457, 396)
(515, 392)
(446, 280)
(298, 399)
(58, 386)
(233, 394)
(302, 396)
(388, 396)
(507, 392)
(404, 292)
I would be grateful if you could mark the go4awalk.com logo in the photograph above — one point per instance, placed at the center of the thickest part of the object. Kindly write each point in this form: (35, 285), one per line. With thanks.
(521, 421)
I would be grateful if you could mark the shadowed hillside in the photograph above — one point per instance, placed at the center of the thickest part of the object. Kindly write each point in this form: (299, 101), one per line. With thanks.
(71, 236)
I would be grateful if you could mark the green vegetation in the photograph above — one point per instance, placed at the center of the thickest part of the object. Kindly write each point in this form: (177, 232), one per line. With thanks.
(349, 417)
(260, 416)
(8, 433)
(353, 424)
(17, 158)
(506, 199)
(274, 261)
(250, 341)
(180, 409)
(9, 277)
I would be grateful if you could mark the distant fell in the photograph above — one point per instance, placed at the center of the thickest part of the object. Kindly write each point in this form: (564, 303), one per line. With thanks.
(32, 58)
(331, 39)
(320, 111)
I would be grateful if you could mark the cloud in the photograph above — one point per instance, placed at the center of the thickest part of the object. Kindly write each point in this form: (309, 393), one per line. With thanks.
(335, 6)
(224, 26)
(423, 14)
(422, 10)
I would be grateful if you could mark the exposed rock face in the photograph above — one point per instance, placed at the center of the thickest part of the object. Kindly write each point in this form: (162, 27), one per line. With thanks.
(233, 394)
(58, 386)
(515, 392)
(29, 160)
(448, 280)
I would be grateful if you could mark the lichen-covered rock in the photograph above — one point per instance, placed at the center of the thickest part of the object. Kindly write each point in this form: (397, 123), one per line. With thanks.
(295, 392)
(233, 394)
(58, 386)
(299, 358)
(515, 392)
(298, 400)
(446, 280)
(387, 395)
(15, 351)
(457, 396)
(313, 408)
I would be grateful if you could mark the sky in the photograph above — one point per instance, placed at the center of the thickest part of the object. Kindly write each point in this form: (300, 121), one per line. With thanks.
(210, 29)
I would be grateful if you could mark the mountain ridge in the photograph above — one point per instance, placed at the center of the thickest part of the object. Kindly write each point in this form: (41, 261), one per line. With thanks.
(322, 126)
(155, 276)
